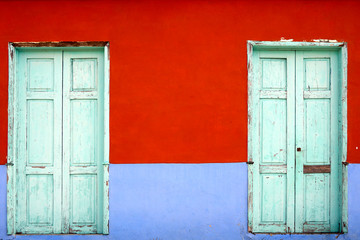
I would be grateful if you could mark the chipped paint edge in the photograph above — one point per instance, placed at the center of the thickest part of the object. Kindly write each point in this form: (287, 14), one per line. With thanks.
(297, 45)
(251, 45)
(250, 49)
(61, 44)
(344, 63)
(11, 142)
(106, 137)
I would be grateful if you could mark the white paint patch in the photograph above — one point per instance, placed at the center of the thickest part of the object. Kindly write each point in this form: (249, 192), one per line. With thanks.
(286, 40)
(325, 40)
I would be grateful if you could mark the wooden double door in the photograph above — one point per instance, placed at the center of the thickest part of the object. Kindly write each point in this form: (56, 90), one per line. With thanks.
(59, 120)
(295, 141)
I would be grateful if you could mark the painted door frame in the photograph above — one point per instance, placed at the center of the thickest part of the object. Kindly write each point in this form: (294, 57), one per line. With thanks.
(11, 160)
(269, 45)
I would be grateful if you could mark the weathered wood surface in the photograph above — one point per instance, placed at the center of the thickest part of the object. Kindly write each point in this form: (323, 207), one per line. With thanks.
(59, 149)
(314, 102)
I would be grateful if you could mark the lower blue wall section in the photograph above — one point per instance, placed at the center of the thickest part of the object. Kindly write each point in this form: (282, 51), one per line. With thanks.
(184, 201)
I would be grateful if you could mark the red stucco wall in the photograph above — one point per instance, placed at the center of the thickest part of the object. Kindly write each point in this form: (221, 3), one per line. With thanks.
(178, 68)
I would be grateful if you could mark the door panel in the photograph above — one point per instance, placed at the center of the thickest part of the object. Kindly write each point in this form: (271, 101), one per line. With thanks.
(83, 72)
(39, 143)
(273, 198)
(317, 134)
(316, 200)
(317, 131)
(40, 74)
(273, 131)
(83, 199)
(273, 73)
(40, 199)
(317, 72)
(40, 132)
(83, 123)
(83, 132)
(273, 121)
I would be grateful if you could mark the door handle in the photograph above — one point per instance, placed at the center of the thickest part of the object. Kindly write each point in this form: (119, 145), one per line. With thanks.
(298, 149)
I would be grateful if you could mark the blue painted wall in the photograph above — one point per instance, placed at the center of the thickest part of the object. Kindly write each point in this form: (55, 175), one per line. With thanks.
(184, 201)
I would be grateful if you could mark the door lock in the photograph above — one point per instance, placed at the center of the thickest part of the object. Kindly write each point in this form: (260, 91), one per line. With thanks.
(298, 149)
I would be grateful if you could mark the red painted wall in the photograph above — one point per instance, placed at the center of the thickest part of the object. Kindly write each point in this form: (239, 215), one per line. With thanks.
(178, 68)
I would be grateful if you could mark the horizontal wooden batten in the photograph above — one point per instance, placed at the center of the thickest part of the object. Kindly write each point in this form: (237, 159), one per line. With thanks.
(273, 169)
(83, 170)
(83, 95)
(40, 95)
(61, 44)
(317, 94)
(320, 227)
(43, 229)
(273, 94)
(294, 45)
(90, 228)
(317, 168)
(39, 170)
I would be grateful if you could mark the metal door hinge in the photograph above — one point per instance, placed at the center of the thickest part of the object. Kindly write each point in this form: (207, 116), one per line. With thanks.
(9, 164)
(345, 163)
(250, 162)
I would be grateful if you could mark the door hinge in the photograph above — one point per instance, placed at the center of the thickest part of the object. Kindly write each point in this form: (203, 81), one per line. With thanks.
(9, 164)
(250, 162)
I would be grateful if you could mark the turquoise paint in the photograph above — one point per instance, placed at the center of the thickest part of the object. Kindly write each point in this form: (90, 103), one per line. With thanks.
(295, 91)
(272, 141)
(58, 104)
(180, 201)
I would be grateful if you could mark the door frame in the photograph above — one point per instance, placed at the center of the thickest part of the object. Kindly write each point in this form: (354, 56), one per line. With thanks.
(271, 45)
(12, 131)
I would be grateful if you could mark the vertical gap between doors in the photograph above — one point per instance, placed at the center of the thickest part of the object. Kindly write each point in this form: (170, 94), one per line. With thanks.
(295, 166)
(62, 136)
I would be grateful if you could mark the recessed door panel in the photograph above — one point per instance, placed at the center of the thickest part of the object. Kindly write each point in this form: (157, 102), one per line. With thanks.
(83, 132)
(40, 199)
(317, 73)
(40, 132)
(317, 131)
(40, 72)
(274, 73)
(273, 131)
(273, 198)
(83, 199)
(317, 198)
(84, 74)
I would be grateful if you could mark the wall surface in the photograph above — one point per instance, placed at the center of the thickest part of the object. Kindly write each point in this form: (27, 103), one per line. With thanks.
(178, 94)
(178, 68)
(183, 202)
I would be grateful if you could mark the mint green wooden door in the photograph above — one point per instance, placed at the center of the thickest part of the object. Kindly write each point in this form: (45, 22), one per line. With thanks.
(294, 132)
(59, 117)
(82, 142)
(39, 142)
(318, 164)
(273, 156)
